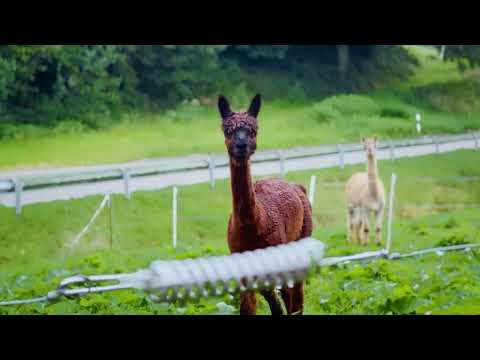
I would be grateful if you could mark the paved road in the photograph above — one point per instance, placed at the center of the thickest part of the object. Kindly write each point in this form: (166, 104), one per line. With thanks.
(157, 182)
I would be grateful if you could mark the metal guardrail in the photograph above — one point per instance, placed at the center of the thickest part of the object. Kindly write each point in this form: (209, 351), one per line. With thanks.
(125, 173)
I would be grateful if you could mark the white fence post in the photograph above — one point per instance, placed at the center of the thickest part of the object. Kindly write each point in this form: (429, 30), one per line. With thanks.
(110, 223)
(18, 197)
(393, 183)
(311, 192)
(340, 154)
(419, 122)
(281, 157)
(126, 179)
(174, 217)
(211, 170)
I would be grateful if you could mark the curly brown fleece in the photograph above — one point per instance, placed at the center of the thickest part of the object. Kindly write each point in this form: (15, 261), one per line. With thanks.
(271, 212)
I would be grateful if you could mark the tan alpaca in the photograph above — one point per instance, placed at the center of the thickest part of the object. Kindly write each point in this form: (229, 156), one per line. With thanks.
(365, 194)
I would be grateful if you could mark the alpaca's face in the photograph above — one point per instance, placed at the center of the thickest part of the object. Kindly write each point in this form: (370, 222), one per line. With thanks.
(370, 146)
(240, 130)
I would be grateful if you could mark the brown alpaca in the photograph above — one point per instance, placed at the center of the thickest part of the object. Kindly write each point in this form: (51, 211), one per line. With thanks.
(269, 213)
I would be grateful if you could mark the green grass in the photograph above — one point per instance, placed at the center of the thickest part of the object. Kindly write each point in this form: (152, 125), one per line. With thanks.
(34, 255)
(447, 99)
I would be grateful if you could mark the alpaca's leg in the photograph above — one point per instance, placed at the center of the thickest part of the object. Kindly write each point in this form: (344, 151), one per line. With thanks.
(248, 303)
(358, 226)
(356, 231)
(350, 227)
(360, 233)
(365, 227)
(273, 302)
(378, 226)
(297, 301)
(293, 299)
(355, 226)
(353, 233)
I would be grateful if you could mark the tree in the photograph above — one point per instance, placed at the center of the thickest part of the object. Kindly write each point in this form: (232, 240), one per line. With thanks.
(170, 73)
(343, 60)
(45, 83)
(469, 53)
(48, 83)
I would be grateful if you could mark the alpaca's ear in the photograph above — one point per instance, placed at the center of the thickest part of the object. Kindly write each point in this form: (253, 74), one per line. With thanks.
(363, 141)
(224, 107)
(255, 106)
(375, 139)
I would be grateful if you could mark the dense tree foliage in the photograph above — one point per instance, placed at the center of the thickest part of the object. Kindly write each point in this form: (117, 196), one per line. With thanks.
(470, 53)
(48, 83)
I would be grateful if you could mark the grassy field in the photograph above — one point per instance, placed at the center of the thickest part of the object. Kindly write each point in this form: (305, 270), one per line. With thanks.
(34, 256)
(447, 99)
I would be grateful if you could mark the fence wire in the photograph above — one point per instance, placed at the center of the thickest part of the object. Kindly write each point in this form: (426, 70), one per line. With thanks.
(201, 208)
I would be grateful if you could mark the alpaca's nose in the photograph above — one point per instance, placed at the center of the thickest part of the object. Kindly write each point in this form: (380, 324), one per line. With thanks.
(241, 140)
(241, 144)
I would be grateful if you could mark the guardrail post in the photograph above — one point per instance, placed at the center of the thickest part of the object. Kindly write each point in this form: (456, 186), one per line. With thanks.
(311, 192)
(18, 197)
(126, 179)
(211, 170)
(341, 159)
(437, 145)
(281, 157)
(174, 217)
(393, 183)
(392, 151)
(476, 141)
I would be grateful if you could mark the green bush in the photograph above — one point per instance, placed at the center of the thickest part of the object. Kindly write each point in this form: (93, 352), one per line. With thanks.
(22, 132)
(453, 239)
(460, 97)
(390, 112)
(8, 132)
(69, 127)
(349, 105)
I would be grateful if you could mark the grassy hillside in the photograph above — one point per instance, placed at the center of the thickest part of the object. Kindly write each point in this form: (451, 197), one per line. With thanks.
(448, 100)
(34, 256)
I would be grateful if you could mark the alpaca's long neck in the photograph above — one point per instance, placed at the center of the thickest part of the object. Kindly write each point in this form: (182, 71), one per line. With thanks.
(243, 194)
(372, 175)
